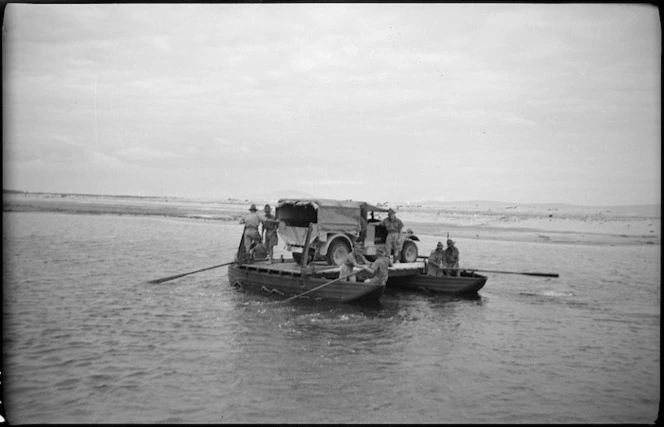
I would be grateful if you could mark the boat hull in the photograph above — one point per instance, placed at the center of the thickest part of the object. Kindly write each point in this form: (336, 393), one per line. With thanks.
(287, 284)
(467, 282)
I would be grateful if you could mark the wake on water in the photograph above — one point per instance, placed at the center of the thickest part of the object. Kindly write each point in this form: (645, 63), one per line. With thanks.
(548, 294)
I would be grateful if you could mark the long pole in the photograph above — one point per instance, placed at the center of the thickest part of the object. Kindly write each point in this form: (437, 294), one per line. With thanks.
(512, 272)
(166, 279)
(317, 287)
(502, 272)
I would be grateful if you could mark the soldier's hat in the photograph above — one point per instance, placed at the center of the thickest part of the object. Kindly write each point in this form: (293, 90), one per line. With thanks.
(252, 208)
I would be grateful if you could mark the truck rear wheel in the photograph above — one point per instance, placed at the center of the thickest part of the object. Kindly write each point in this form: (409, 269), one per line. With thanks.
(337, 252)
(409, 251)
(297, 257)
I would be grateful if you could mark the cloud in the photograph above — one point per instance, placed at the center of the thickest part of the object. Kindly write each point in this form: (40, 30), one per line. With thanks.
(101, 161)
(226, 145)
(329, 182)
(145, 156)
(265, 92)
(517, 120)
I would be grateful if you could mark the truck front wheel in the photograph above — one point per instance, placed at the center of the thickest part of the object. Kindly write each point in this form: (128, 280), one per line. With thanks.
(409, 251)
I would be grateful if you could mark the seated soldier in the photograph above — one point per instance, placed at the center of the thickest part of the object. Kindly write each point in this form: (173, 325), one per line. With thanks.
(353, 259)
(258, 251)
(451, 259)
(435, 261)
(379, 268)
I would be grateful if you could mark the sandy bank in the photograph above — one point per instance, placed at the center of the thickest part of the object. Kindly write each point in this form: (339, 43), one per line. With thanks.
(544, 224)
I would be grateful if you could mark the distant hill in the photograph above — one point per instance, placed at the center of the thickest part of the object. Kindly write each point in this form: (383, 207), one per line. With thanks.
(46, 193)
(626, 210)
(473, 203)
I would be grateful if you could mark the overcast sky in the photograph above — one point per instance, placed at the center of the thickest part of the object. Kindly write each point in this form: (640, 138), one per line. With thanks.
(396, 102)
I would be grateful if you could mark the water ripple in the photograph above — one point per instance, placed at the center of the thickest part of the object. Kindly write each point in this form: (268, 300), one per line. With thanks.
(87, 340)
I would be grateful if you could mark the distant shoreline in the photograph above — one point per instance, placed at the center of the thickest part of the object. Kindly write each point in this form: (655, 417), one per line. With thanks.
(527, 224)
(642, 210)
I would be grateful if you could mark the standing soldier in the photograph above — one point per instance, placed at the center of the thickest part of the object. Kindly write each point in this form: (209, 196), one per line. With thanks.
(270, 225)
(251, 222)
(451, 259)
(393, 240)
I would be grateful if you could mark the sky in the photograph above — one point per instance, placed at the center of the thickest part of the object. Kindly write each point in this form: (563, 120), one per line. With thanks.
(523, 103)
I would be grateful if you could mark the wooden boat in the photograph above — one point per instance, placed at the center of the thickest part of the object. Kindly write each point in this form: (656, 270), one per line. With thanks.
(289, 279)
(467, 282)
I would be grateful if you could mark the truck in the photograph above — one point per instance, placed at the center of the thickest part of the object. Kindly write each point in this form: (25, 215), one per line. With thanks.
(333, 226)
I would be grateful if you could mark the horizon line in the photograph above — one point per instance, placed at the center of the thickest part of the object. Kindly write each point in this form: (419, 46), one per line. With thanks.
(5, 190)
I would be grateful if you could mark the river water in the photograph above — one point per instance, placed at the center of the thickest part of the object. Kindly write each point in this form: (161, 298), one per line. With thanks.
(87, 340)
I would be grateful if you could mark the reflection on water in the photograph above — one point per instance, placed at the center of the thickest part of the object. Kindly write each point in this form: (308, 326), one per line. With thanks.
(86, 339)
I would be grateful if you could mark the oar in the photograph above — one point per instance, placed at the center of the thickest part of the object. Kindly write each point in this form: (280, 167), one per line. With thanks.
(510, 272)
(503, 272)
(318, 287)
(166, 279)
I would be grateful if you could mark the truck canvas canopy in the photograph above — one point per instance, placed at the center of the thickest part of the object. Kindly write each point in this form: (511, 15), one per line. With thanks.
(328, 214)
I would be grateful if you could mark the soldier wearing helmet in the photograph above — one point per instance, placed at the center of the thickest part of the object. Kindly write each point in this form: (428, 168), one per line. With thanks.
(451, 259)
(435, 261)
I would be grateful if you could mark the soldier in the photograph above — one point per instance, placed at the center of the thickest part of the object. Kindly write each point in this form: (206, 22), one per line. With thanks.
(270, 225)
(353, 259)
(251, 222)
(435, 261)
(379, 268)
(393, 240)
(257, 251)
(451, 259)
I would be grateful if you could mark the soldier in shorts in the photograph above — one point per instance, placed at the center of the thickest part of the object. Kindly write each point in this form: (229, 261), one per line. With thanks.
(393, 240)
(270, 225)
(251, 222)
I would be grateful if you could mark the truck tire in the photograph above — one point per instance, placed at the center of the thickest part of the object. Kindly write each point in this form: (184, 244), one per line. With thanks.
(337, 252)
(409, 251)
